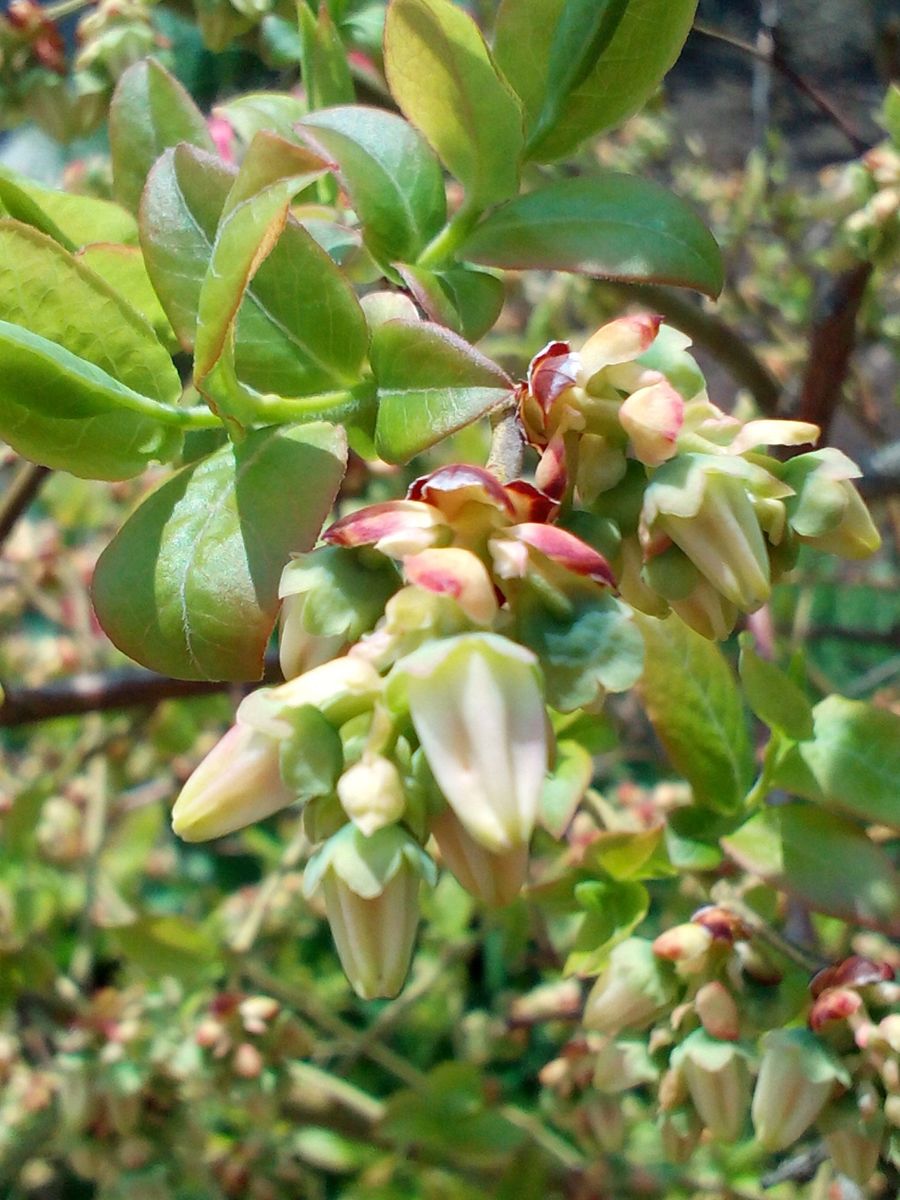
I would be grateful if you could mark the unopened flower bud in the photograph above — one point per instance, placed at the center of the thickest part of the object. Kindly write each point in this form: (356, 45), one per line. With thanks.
(679, 1131)
(827, 510)
(238, 782)
(718, 1011)
(476, 705)
(622, 1065)
(632, 990)
(494, 878)
(247, 1061)
(796, 1077)
(371, 889)
(854, 1148)
(718, 1082)
(606, 1121)
(685, 945)
(652, 417)
(371, 793)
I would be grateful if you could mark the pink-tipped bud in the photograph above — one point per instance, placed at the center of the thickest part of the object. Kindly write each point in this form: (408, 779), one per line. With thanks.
(457, 573)
(238, 782)
(652, 417)
(686, 945)
(718, 1011)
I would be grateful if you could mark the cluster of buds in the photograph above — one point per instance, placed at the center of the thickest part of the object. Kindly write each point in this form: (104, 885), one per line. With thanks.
(115, 34)
(699, 520)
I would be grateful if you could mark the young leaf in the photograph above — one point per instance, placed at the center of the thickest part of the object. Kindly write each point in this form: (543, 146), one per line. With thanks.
(615, 77)
(150, 111)
(824, 859)
(614, 911)
(854, 758)
(441, 74)
(430, 383)
(565, 787)
(609, 225)
(69, 219)
(305, 294)
(189, 585)
(695, 707)
(772, 695)
(394, 181)
(276, 112)
(65, 412)
(44, 289)
(465, 300)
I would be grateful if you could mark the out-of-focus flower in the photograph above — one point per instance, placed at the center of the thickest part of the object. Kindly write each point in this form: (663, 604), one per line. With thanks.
(718, 1081)
(493, 878)
(796, 1077)
(631, 991)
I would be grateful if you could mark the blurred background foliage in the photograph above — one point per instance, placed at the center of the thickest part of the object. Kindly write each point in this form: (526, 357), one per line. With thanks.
(173, 1020)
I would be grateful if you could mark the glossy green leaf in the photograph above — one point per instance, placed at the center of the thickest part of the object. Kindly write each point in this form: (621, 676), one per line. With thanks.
(44, 289)
(65, 412)
(614, 911)
(122, 267)
(695, 707)
(465, 300)
(531, 36)
(277, 112)
(627, 854)
(150, 112)
(772, 695)
(823, 858)
(890, 113)
(70, 219)
(853, 760)
(189, 585)
(430, 383)
(441, 74)
(394, 181)
(609, 225)
(312, 756)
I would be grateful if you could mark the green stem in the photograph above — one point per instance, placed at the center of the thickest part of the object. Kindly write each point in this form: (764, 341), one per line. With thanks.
(55, 12)
(763, 785)
(441, 249)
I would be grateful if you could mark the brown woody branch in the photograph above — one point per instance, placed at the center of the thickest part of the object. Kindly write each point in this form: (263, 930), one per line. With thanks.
(24, 486)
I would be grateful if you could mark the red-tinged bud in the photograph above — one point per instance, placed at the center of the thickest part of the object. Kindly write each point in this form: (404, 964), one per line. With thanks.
(631, 992)
(718, 1012)
(396, 528)
(686, 945)
(247, 1061)
(257, 1011)
(835, 1004)
(496, 879)
(457, 573)
(560, 1000)
(619, 341)
(561, 547)
(855, 972)
(718, 1081)
(796, 1078)
(652, 417)
(724, 925)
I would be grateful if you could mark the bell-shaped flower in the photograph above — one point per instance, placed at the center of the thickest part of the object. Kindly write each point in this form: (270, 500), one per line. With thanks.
(371, 890)
(718, 1082)
(493, 878)
(826, 510)
(476, 704)
(371, 793)
(797, 1075)
(633, 989)
(238, 782)
(340, 689)
(705, 505)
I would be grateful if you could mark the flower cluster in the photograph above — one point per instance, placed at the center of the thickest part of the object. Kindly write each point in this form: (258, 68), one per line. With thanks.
(700, 520)
(431, 644)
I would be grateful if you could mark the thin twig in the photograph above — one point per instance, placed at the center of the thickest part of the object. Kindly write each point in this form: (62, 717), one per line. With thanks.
(100, 691)
(800, 82)
(23, 488)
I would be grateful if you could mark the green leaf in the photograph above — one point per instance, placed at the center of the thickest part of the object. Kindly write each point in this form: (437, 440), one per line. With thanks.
(441, 74)
(168, 945)
(565, 787)
(189, 585)
(465, 300)
(312, 756)
(70, 219)
(122, 267)
(185, 195)
(150, 111)
(609, 225)
(622, 72)
(46, 389)
(692, 839)
(890, 114)
(824, 859)
(326, 73)
(695, 707)
(614, 911)
(430, 383)
(628, 855)
(772, 695)
(47, 291)
(854, 759)
(276, 112)
(394, 181)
